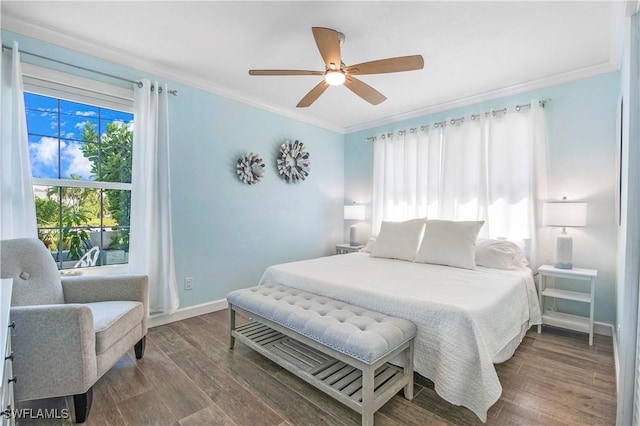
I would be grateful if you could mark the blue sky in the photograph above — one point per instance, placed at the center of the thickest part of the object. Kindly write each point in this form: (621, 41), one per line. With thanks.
(54, 127)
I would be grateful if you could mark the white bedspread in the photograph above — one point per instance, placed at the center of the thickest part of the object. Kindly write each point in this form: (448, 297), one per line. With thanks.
(466, 318)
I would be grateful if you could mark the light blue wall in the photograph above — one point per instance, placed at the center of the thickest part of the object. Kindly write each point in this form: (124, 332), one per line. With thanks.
(581, 134)
(226, 233)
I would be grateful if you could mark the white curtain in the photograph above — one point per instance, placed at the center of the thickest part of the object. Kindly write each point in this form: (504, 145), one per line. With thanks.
(151, 240)
(406, 175)
(17, 207)
(489, 168)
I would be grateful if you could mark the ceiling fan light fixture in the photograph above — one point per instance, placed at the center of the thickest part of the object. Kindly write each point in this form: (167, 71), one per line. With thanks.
(334, 78)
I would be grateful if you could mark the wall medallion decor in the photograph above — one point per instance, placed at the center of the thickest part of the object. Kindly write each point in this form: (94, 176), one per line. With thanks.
(293, 161)
(250, 168)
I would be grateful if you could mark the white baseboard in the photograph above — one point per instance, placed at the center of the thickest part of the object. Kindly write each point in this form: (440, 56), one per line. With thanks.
(602, 328)
(188, 312)
(616, 359)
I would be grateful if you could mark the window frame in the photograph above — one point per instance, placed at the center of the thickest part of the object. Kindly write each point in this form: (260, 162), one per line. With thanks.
(68, 87)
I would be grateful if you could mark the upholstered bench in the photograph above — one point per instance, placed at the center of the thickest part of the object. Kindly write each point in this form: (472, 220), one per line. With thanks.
(343, 350)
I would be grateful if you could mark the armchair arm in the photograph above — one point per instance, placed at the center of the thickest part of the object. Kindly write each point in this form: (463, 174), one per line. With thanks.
(55, 350)
(105, 288)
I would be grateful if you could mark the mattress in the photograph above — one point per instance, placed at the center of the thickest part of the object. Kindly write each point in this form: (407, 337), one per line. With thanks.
(467, 320)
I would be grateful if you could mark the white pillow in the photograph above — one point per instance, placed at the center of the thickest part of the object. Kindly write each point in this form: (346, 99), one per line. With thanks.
(370, 244)
(399, 240)
(449, 243)
(500, 254)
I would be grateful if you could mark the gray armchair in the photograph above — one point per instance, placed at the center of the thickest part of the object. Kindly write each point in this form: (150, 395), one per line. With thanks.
(70, 331)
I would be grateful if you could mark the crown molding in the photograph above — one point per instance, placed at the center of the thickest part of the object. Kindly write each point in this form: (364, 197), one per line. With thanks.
(121, 58)
(490, 95)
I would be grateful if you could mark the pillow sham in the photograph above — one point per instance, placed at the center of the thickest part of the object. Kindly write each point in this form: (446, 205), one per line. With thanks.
(500, 254)
(449, 243)
(370, 244)
(399, 240)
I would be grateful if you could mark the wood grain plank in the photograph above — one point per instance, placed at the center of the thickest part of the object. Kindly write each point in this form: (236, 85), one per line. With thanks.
(242, 405)
(173, 386)
(210, 416)
(146, 409)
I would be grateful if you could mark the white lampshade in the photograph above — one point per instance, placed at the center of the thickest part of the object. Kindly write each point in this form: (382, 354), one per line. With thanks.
(354, 212)
(564, 213)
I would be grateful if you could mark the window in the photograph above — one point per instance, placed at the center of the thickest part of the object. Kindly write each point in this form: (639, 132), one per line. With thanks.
(80, 148)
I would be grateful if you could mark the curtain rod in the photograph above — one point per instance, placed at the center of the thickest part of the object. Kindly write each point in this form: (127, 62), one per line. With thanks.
(455, 121)
(136, 82)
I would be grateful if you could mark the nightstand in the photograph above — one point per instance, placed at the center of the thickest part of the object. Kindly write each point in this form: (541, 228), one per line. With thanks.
(348, 248)
(559, 319)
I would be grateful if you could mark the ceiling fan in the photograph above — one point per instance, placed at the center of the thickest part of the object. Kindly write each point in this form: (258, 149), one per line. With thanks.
(336, 73)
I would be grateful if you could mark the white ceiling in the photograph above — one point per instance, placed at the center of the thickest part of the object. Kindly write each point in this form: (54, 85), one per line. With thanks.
(472, 50)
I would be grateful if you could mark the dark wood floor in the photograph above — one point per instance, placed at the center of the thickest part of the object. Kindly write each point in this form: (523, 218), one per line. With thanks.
(189, 377)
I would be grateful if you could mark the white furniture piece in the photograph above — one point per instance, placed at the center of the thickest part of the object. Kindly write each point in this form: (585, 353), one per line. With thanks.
(90, 258)
(7, 379)
(348, 248)
(559, 319)
(341, 349)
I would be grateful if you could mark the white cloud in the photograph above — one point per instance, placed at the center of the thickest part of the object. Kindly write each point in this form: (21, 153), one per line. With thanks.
(45, 151)
(44, 112)
(78, 163)
(86, 113)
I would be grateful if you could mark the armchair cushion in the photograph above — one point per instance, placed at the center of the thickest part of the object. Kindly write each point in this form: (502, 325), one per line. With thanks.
(91, 289)
(112, 320)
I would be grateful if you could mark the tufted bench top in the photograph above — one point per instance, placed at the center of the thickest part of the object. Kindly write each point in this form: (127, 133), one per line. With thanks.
(359, 333)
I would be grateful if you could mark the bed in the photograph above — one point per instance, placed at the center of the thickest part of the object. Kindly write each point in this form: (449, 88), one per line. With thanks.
(467, 319)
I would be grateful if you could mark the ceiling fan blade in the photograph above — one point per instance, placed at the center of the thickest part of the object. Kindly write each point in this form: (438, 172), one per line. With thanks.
(363, 90)
(328, 44)
(402, 63)
(313, 95)
(284, 72)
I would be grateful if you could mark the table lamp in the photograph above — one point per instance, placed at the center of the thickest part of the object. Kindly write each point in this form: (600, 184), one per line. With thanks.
(564, 214)
(353, 212)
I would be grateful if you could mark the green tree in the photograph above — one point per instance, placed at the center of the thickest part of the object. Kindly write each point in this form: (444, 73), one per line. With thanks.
(47, 212)
(111, 162)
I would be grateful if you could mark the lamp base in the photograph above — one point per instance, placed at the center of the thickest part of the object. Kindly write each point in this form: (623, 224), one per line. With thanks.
(563, 258)
(352, 236)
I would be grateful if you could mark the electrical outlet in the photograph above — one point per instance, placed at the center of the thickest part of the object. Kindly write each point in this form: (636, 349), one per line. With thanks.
(188, 283)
